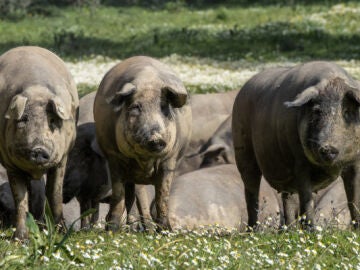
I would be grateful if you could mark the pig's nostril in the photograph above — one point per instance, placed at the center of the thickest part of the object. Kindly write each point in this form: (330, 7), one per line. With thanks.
(39, 155)
(328, 153)
(156, 145)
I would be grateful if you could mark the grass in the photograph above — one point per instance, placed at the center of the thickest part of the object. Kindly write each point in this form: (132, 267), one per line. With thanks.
(323, 249)
(247, 35)
(255, 33)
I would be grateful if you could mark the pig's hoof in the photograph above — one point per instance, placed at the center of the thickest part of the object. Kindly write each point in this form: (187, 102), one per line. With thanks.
(150, 226)
(112, 227)
(21, 234)
(162, 224)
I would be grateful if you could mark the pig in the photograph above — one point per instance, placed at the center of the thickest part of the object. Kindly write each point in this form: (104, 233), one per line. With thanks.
(86, 174)
(38, 123)
(72, 213)
(299, 128)
(219, 147)
(331, 207)
(7, 204)
(86, 104)
(209, 112)
(217, 199)
(330, 202)
(143, 126)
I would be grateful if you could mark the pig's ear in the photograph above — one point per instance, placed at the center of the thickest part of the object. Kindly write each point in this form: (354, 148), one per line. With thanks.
(177, 96)
(214, 150)
(59, 108)
(304, 97)
(16, 107)
(118, 98)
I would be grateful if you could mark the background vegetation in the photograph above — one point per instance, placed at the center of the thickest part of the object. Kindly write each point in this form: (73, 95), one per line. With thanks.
(231, 33)
(227, 30)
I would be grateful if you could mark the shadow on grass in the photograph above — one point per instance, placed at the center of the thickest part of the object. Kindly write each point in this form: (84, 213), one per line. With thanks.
(268, 42)
(226, 3)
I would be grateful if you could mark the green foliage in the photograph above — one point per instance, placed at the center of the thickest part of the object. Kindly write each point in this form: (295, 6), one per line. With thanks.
(43, 244)
(220, 249)
(84, 89)
(260, 34)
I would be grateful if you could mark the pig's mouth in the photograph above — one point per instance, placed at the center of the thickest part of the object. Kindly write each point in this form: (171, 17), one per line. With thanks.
(35, 158)
(322, 154)
(152, 146)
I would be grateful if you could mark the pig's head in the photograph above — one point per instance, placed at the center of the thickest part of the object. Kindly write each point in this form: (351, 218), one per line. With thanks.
(329, 126)
(36, 132)
(146, 124)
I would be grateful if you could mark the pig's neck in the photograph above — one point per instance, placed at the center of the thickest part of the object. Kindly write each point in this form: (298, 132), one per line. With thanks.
(148, 166)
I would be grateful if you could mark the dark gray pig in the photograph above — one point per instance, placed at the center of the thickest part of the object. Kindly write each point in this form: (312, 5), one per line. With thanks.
(38, 125)
(143, 125)
(299, 128)
(86, 175)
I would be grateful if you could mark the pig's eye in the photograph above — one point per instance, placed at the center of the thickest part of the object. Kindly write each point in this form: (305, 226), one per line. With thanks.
(22, 121)
(351, 115)
(350, 111)
(54, 121)
(165, 108)
(134, 110)
(316, 109)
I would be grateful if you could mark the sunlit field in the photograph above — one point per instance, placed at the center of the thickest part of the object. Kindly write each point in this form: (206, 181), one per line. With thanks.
(213, 49)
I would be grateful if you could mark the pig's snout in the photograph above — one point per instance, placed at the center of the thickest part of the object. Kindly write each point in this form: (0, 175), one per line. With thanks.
(328, 153)
(39, 155)
(153, 139)
(156, 145)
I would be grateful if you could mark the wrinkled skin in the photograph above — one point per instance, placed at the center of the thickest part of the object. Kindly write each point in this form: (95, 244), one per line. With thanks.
(143, 125)
(38, 125)
(303, 133)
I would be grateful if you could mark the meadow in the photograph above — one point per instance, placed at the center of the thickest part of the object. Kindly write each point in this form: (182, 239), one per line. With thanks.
(213, 48)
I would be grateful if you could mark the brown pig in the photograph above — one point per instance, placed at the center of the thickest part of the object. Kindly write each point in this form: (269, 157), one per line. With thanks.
(7, 204)
(215, 196)
(209, 112)
(86, 176)
(218, 149)
(299, 127)
(143, 125)
(38, 125)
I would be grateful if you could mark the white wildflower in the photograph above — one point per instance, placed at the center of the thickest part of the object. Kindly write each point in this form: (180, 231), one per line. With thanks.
(284, 255)
(57, 256)
(89, 242)
(45, 259)
(86, 255)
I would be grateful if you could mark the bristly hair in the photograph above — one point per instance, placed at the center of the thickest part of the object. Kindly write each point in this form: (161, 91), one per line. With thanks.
(334, 89)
